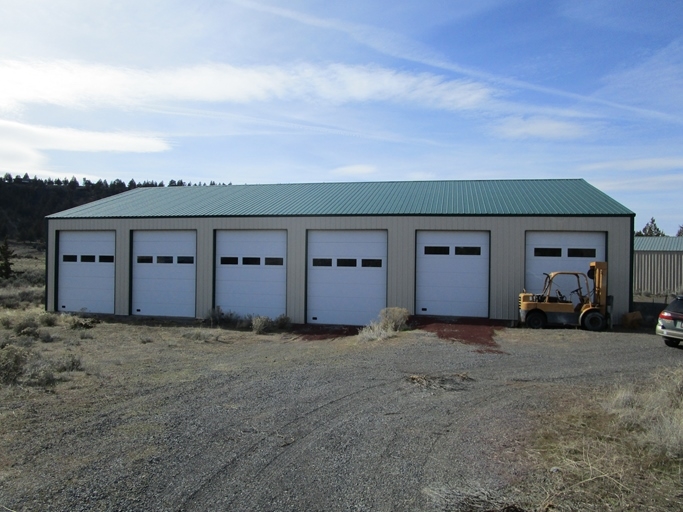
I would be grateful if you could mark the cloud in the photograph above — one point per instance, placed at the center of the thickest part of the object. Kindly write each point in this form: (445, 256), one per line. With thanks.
(68, 139)
(653, 83)
(78, 85)
(637, 164)
(355, 170)
(538, 127)
(397, 45)
(22, 145)
(664, 184)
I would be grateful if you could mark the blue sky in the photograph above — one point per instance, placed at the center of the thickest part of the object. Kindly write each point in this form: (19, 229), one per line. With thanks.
(259, 91)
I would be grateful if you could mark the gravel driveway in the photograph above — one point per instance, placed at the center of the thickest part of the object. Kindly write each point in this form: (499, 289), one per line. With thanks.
(266, 423)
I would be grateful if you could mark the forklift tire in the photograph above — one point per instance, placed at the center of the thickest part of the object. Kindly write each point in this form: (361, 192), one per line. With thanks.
(593, 321)
(535, 320)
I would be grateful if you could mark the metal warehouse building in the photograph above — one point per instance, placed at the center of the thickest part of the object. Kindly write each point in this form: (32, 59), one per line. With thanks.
(658, 265)
(334, 253)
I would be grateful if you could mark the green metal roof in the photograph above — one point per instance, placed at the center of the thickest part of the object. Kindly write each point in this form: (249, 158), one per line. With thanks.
(496, 197)
(658, 243)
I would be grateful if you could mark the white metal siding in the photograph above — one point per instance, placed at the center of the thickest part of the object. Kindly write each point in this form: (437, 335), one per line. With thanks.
(351, 290)
(251, 271)
(163, 288)
(86, 271)
(448, 283)
(558, 248)
(657, 273)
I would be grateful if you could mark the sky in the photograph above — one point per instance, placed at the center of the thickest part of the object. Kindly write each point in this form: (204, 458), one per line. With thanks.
(267, 91)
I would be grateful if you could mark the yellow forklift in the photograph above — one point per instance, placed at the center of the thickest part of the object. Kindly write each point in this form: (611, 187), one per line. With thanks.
(587, 306)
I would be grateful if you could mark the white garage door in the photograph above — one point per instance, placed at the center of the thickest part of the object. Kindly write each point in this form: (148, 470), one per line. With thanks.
(552, 251)
(164, 276)
(251, 272)
(347, 276)
(452, 274)
(86, 271)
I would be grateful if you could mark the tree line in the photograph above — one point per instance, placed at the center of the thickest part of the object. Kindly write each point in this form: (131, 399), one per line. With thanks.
(651, 229)
(25, 202)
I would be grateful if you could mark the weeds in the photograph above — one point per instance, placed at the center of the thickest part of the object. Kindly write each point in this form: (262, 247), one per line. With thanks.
(70, 363)
(283, 322)
(12, 360)
(621, 450)
(258, 323)
(394, 318)
(45, 337)
(47, 319)
(76, 322)
(391, 321)
(26, 326)
(20, 365)
(261, 324)
(654, 411)
(39, 373)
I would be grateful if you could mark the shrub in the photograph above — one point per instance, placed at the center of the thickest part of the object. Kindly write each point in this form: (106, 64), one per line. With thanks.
(32, 295)
(243, 322)
(27, 326)
(76, 322)
(39, 373)
(261, 324)
(391, 320)
(394, 318)
(283, 322)
(45, 337)
(375, 331)
(70, 363)
(230, 319)
(6, 322)
(12, 360)
(47, 319)
(215, 316)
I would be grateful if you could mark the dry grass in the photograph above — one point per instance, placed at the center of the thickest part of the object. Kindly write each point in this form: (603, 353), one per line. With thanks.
(619, 450)
(391, 321)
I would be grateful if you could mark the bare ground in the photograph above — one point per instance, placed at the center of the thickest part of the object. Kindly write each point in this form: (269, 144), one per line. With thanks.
(181, 417)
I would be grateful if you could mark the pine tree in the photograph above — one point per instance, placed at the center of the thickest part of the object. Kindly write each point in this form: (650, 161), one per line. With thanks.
(651, 229)
(6, 255)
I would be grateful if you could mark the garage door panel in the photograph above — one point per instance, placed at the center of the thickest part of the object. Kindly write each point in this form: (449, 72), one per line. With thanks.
(373, 293)
(252, 275)
(85, 286)
(160, 288)
(465, 309)
(346, 304)
(164, 271)
(350, 279)
(339, 294)
(551, 251)
(252, 289)
(464, 280)
(452, 270)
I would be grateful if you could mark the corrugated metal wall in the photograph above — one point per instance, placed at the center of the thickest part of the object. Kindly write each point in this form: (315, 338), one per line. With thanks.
(507, 253)
(657, 273)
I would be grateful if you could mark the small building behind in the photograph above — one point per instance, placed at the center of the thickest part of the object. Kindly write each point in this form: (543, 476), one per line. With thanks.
(657, 265)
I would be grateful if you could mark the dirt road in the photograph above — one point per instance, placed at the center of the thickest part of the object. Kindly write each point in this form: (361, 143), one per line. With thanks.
(179, 418)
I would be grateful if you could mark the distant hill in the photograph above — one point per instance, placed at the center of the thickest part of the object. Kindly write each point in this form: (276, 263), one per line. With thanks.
(24, 201)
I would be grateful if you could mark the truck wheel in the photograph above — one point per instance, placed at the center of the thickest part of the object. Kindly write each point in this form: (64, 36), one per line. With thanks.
(671, 342)
(535, 320)
(593, 321)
